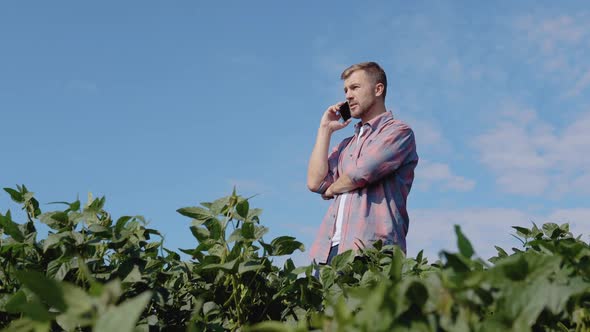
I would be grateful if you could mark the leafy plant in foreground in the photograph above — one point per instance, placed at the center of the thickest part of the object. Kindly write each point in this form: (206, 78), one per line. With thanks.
(93, 272)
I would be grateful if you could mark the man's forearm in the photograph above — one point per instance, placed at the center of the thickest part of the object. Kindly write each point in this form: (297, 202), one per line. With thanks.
(343, 185)
(318, 162)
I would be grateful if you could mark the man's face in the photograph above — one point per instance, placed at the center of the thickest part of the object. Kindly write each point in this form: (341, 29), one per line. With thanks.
(360, 93)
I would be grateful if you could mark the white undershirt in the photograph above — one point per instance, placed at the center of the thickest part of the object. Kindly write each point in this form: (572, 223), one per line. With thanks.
(343, 197)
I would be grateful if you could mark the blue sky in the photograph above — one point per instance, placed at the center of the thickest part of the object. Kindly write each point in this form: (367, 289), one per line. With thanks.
(161, 105)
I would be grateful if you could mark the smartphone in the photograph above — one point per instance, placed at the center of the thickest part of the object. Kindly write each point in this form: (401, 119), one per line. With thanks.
(344, 111)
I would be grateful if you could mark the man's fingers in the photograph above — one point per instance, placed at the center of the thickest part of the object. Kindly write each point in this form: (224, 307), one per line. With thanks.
(343, 124)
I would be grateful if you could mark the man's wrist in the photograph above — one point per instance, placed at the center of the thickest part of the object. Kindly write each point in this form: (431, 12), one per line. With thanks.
(325, 129)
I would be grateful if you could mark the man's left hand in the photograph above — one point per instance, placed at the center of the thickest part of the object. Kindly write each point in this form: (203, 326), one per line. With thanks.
(328, 195)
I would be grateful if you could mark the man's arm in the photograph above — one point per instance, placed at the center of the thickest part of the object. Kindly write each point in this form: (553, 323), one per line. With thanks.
(318, 163)
(384, 156)
(340, 186)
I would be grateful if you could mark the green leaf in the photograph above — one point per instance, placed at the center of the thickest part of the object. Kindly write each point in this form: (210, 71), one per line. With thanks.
(549, 228)
(59, 268)
(514, 267)
(75, 206)
(15, 195)
(242, 208)
(228, 267)
(285, 245)
(259, 232)
(220, 206)
(121, 222)
(463, 243)
(396, 268)
(55, 219)
(63, 270)
(98, 229)
(249, 266)
(248, 230)
(327, 276)
(195, 212)
(200, 233)
(235, 236)
(456, 262)
(133, 276)
(215, 228)
(268, 326)
(10, 227)
(28, 325)
(289, 265)
(253, 215)
(417, 293)
(52, 240)
(79, 306)
(565, 227)
(501, 252)
(123, 317)
(49, 290)
(524, 232)
(16, 302)
(60, 202)
(342, 260)
(419, 256)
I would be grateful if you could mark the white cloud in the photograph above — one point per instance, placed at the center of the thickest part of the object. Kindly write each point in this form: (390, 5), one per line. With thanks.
(429, 137)
(559, 45)
(433, 174)
(577, 218)
(530, 156)
(522, 182)
(582, 183)
(554, 32)
(580, 85)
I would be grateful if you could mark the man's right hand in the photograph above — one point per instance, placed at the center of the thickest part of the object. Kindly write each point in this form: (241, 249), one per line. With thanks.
(331, 119)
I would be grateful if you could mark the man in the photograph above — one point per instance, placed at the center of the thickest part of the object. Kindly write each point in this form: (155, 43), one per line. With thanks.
(369, 175)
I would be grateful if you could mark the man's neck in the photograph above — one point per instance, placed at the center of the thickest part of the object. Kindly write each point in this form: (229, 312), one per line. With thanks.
(375, 111)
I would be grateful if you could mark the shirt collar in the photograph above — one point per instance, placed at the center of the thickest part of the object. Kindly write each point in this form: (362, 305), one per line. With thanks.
(376, 122)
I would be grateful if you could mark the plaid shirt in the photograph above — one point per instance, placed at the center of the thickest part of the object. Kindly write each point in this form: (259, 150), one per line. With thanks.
(382, 165)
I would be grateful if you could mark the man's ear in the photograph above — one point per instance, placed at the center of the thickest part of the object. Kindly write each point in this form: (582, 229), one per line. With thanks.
(379, 88)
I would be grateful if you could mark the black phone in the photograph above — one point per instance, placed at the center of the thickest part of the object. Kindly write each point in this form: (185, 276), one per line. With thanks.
(344, 111)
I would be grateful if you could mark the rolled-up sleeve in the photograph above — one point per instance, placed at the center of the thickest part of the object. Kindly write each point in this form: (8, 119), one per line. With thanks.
(384, 156)
(333, 160)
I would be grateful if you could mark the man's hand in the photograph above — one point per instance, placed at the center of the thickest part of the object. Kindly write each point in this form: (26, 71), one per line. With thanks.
(341, 186)
(328, 195)
(331, 117)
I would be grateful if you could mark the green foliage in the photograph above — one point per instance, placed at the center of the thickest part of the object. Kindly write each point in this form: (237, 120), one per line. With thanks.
(92, 272)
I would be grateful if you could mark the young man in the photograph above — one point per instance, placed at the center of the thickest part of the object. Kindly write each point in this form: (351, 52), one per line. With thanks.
(369, 175)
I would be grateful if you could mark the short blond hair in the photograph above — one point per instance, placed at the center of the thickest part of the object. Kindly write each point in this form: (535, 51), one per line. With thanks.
(372, 69)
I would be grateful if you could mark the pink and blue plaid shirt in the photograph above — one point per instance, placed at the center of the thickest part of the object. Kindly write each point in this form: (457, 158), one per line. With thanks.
(382, 165)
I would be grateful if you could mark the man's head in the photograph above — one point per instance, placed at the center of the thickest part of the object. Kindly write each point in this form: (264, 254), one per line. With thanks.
(373, 70)
(365, 86)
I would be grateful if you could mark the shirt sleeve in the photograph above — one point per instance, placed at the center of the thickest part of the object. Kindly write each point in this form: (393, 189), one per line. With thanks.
(384, 155)
(333, 160)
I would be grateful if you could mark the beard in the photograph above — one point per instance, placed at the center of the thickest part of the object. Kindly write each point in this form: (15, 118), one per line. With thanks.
(363, 109)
